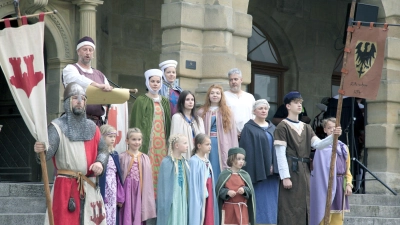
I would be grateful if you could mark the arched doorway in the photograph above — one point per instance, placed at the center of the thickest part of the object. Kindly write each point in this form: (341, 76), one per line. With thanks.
(267, 71)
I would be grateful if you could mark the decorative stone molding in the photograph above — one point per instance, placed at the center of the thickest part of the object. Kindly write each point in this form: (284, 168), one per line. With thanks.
(5, 3)
(32, 6)
(63, 31)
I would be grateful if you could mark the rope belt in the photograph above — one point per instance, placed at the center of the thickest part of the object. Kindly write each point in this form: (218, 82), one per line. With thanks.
(240, 209)
(79, 179)
(340, 175)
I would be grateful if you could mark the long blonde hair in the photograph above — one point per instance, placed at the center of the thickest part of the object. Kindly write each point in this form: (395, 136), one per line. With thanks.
(223, 107)
(173, 139)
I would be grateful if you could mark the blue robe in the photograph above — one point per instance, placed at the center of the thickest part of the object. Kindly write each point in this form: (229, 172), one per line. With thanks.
(166, 182)
(197, 184)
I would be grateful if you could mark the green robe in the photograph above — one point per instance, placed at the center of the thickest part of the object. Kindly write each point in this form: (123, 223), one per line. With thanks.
(222, 193)
(142, 117)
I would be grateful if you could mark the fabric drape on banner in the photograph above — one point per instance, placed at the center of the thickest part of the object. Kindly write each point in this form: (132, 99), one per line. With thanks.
(118, 118)
(365, 62)
(21, 58)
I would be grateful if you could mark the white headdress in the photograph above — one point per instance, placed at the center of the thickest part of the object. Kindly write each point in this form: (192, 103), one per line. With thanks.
(166, 64)
(151, 73)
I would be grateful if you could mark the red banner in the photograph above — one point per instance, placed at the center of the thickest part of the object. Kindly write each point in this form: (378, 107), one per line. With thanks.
(365, 62)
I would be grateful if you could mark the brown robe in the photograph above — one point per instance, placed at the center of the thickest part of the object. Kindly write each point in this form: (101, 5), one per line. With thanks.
(294, 203)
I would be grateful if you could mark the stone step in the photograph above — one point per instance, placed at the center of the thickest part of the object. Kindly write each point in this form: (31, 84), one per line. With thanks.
(371, 199)
(374, 211)
(22, 204)
(370, 221)
(22, 190)
(22, 219)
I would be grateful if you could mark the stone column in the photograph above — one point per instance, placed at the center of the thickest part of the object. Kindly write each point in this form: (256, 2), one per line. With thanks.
(383, 129)
(87, 9)
(213, 34)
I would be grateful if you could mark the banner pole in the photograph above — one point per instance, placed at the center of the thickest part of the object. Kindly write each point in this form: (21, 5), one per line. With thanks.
(338, 117)
(41, 154)
(29, 16)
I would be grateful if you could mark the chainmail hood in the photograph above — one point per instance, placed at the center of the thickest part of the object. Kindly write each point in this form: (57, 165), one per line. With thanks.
(75, 127)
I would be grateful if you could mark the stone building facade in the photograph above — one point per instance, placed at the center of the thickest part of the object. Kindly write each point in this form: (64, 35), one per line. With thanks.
(284, 44)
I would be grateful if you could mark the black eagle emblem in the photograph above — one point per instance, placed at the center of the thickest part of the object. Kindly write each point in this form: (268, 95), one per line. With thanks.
(365, 55)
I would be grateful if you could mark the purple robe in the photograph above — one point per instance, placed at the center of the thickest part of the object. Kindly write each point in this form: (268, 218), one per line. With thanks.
(319, 183)
(139, 204)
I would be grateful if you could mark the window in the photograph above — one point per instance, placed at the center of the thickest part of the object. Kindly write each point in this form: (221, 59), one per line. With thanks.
(266, 70)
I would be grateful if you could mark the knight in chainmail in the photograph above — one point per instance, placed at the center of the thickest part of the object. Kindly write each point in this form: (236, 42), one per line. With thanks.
(79, 154)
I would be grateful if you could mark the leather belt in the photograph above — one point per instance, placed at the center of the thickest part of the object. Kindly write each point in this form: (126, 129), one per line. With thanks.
(79, 179)
(296, 160)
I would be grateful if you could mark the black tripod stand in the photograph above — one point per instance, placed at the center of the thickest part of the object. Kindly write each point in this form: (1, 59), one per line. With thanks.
(356, 164)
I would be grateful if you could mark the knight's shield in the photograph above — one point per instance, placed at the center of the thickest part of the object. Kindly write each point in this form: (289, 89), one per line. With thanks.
(365, 54)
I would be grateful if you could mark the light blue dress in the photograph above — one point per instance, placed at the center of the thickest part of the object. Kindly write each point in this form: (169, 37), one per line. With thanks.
(214, 156)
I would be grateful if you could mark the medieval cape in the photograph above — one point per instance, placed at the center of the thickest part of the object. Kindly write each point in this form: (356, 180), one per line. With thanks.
(166, 185)
(146, 192)
(142, 117)
(226, 140)
(103, 180)
(294, 203)
(258, 160)
(319, 182)
(199, 173)
(223, 196)
(179, 125)
(171, 92)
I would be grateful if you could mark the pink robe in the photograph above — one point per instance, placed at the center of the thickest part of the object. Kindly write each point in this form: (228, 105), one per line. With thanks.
(139, 204)
(226, 140)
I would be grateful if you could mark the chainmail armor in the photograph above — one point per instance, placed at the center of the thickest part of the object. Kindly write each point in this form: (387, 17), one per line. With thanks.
(54, 142)
(102, 154)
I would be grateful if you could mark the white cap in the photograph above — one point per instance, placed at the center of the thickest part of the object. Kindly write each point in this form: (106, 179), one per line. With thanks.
(166, 64)
(152, 73)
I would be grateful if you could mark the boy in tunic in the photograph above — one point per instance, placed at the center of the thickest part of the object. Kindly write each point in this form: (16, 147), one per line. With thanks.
(293, 142)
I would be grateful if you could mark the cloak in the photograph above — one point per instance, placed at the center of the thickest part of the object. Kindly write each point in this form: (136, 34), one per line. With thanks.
(165, 188)
(142, 117)
(225, 140)
(249, 192)
(319, 181)
(259, 157)
(148, 208)
(180, 126)
(198, 192)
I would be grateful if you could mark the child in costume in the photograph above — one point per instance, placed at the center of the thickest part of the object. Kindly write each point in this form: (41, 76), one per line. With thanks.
(111, 181)
(173, 190)
(293, 140)
(185, 121)
(219, 124)
(151, 114)
(342, 181)
(203, 208)
(235, 191)
(139, 204)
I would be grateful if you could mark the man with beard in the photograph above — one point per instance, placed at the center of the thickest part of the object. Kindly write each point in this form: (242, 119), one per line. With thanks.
(240, 102)
(83, 74)
(79, 155)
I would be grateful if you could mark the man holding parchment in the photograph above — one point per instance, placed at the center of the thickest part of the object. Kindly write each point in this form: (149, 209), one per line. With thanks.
(83, 74)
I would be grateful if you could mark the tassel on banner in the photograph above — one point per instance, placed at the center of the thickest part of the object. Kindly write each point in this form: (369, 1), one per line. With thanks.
(41, 17)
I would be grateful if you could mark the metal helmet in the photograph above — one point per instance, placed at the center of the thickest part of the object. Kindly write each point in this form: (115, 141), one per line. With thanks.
(73, 89)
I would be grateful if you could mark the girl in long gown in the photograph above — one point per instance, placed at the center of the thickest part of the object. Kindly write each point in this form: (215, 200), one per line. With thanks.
(235, 191)
(203, 207)
(139, 202)
(185, 121)
(173, 190)
(111, 181)
(220, 126)
(257, 139)
(151, 114)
